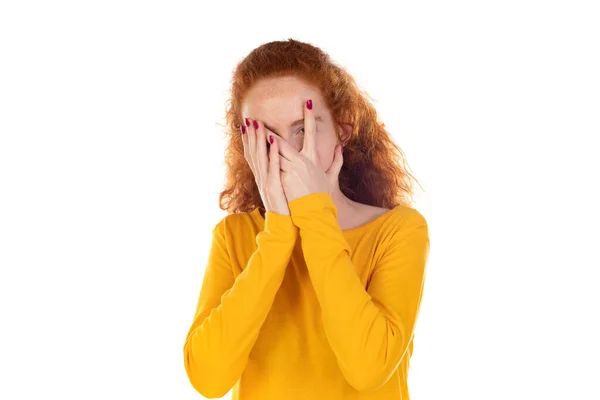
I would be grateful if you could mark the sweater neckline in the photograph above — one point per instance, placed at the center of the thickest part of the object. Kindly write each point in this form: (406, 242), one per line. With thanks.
(261, 220)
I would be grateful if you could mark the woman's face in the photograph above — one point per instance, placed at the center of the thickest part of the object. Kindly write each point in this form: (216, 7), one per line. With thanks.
(279, 102)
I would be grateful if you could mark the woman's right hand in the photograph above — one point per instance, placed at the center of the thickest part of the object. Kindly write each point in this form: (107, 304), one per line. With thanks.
(266, 170)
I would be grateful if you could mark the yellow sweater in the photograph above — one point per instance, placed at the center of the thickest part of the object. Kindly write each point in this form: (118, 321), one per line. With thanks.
(294, 307)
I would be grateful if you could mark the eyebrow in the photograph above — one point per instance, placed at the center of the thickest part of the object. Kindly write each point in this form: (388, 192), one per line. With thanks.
(297, 122)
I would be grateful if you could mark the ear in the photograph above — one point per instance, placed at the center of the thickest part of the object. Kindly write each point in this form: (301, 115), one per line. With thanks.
(345, 132)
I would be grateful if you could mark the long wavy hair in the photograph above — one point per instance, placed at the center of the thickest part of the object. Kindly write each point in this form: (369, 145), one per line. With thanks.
(375, 170)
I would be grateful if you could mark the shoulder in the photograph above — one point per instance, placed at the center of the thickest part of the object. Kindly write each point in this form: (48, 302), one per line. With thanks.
(235, 223)
(405, 221)
(410, 216)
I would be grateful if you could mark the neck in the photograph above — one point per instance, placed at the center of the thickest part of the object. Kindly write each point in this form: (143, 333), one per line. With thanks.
(346, 208)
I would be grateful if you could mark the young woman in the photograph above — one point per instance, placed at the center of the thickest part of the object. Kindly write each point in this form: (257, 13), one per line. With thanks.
(314, 278)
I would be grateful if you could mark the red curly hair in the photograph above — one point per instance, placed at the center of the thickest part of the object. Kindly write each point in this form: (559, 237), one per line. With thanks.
(375, 170)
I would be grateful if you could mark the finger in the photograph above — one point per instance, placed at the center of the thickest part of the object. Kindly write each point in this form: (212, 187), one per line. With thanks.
(309, 147)
(286, 150)
(251, 133)
(261, 148)
(274, 162)
(285, 165)
(244, 137)
(334, 169)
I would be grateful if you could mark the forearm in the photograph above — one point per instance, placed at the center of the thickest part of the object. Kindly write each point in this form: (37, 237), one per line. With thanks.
(368, 329)
(367, 345)
(218, 344)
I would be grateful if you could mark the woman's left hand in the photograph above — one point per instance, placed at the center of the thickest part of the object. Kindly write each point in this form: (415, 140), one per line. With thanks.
(301, 174)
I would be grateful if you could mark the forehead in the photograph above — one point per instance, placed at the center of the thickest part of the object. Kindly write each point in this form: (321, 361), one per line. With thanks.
(279, 99)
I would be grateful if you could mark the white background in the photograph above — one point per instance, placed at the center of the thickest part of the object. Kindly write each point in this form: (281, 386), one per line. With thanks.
(111, 161)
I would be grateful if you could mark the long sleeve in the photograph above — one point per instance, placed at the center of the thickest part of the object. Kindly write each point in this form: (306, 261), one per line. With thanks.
(369, 330)
(230, 312)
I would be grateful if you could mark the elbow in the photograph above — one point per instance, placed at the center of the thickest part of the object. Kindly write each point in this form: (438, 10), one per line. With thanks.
(205, 375)
(211, 389)
(369, 374)
(368, 377)
(366, 382)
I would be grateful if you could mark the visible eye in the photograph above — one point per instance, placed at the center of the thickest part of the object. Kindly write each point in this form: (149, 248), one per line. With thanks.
(301, 129)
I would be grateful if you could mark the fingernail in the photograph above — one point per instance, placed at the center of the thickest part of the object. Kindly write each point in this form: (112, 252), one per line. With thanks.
(255, 124)
(247, 122)
(309, 104)
(243, 130)
(271, 139)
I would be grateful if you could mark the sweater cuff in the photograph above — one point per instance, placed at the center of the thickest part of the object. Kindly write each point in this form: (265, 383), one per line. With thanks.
(279, 225)
(312, 202)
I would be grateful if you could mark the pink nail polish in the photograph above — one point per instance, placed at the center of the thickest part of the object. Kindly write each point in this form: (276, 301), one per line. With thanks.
(243, 130)
(271, 139)
(255, 124)
(247, 122)
(309, 104)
